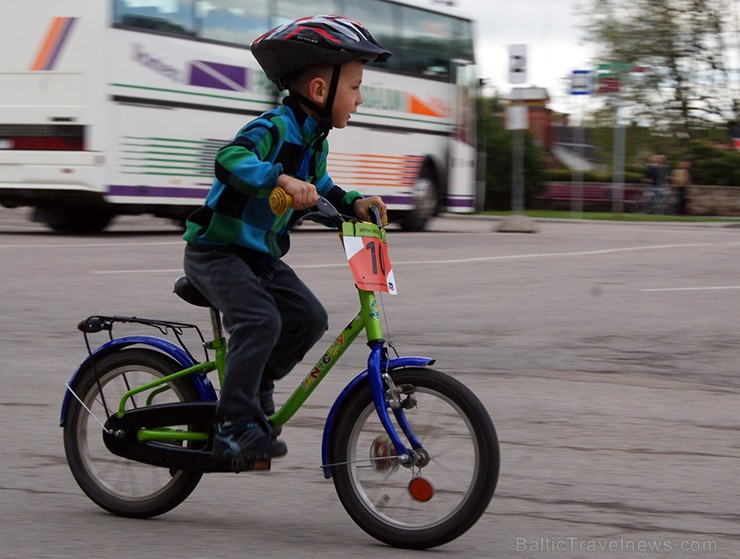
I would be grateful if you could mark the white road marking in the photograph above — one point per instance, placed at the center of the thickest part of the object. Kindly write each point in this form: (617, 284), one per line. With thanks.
(95, 245)
(470, 260)
(665, 289)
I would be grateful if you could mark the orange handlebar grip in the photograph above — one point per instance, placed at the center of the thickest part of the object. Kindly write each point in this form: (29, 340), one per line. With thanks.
(279, 201)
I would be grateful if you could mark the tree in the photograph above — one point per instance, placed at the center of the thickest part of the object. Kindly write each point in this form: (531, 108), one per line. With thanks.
(497, 142)
(683, 45)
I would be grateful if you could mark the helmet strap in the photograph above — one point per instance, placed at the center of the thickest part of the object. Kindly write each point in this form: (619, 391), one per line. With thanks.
(323, 113)
(325, 121)
(325, 124)
(318, 109)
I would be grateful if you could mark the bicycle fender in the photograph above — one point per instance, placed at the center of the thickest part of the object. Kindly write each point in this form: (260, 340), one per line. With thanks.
(355, 383)
(202, 383)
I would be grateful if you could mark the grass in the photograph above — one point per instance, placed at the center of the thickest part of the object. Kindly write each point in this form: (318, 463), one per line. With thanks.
(608, 216)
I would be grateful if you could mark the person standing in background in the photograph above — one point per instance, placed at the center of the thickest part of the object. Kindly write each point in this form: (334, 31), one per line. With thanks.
(680, 180)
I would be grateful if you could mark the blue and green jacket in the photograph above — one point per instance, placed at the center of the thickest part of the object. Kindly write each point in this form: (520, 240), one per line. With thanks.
(236, 211)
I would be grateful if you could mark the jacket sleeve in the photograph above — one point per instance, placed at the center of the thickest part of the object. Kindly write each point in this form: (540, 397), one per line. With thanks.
(340, 198)
(245, 163)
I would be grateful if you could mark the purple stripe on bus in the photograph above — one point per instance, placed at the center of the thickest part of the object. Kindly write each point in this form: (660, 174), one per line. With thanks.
(218, 76)
(60, 41)
(156, 191)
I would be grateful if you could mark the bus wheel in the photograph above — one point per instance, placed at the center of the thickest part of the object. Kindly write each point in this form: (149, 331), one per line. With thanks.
(425, 201)
(74, 220)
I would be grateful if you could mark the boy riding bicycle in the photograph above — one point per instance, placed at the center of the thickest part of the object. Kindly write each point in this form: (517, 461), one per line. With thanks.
(235, 243)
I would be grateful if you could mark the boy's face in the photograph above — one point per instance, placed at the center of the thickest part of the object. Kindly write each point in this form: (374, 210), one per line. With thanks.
(348, 96)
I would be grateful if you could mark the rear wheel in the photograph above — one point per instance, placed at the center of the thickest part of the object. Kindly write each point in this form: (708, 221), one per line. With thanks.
(119, 485)
(429, 505)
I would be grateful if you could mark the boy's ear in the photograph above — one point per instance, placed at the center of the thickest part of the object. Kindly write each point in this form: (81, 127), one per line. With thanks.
(317, 90)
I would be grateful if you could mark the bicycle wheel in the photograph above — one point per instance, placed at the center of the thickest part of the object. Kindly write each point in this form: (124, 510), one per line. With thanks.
(409, 507)
(119, 485)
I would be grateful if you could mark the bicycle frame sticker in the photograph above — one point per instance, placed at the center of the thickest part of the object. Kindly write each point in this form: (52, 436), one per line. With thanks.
(367, 254)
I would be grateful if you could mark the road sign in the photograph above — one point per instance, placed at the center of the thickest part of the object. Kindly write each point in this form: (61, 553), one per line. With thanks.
(517, 64)
(516, 117)
(609, 85)
(581, 82)
(609, 75)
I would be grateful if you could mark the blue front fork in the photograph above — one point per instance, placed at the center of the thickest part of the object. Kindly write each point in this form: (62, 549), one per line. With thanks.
(381, 406)
(377, 367)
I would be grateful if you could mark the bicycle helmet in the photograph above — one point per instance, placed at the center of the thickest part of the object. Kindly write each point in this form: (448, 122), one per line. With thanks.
(322, 39)
(308, 41)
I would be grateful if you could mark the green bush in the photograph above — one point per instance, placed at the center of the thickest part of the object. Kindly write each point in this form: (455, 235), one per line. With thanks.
(711, 165)
(497, 143)
(499, 170)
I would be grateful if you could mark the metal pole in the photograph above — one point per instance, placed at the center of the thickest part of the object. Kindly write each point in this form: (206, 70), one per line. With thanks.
(517, 165)
(517, 172)
(580, 139)
(618, 159)
(482, 136)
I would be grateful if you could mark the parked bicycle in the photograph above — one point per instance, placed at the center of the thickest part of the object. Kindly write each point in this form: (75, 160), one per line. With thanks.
(412, 452)
(655, 200)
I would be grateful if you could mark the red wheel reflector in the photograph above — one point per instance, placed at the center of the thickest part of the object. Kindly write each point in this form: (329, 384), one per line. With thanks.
(421, 489)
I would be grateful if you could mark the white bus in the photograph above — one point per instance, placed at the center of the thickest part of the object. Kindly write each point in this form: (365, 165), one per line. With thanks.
(112, 107)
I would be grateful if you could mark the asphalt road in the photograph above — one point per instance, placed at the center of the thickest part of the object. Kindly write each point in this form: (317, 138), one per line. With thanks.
(607, 355)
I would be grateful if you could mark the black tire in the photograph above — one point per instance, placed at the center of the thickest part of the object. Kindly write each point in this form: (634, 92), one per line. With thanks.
(118, 485)
(83, 219)
(425, 201)
(457, 432)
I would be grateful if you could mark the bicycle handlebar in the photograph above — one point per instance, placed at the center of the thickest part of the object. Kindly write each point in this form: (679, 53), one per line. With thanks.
(374, 212)
(280, 201)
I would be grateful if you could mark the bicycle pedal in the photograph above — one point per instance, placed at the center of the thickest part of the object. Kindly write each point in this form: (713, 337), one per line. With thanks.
(261, 465)
(253, 465)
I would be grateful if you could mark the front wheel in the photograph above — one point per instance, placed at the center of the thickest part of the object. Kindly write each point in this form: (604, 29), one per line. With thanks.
(429, 505)
(119, 485)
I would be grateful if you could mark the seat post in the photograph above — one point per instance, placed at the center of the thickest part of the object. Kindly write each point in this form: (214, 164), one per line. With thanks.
(216, 325)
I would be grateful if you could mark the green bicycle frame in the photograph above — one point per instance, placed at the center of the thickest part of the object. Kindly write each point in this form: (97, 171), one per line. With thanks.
(367, 319)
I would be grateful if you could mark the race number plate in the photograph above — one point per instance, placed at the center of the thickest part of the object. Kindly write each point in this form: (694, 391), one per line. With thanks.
(367, 254)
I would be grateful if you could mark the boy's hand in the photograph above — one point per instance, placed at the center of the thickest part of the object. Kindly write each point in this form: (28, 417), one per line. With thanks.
(304, 194)
(362, 204)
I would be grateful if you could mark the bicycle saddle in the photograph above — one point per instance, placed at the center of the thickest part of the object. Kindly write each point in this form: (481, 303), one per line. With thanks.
(187, 292)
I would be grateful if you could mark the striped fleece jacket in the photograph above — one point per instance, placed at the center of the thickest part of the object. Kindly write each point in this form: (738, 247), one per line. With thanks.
(236, 211)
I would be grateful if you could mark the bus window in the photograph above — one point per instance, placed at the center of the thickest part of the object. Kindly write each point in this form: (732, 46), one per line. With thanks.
(463, 40)
(288, 10)
(380, 19)
(427, 41)
(167, 16)
(232, 21)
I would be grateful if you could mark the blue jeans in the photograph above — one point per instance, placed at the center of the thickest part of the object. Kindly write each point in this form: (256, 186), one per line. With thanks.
(271, 316)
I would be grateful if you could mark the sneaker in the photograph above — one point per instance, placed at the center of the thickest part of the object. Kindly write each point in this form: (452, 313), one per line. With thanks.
(267, 403)
(248, 441)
